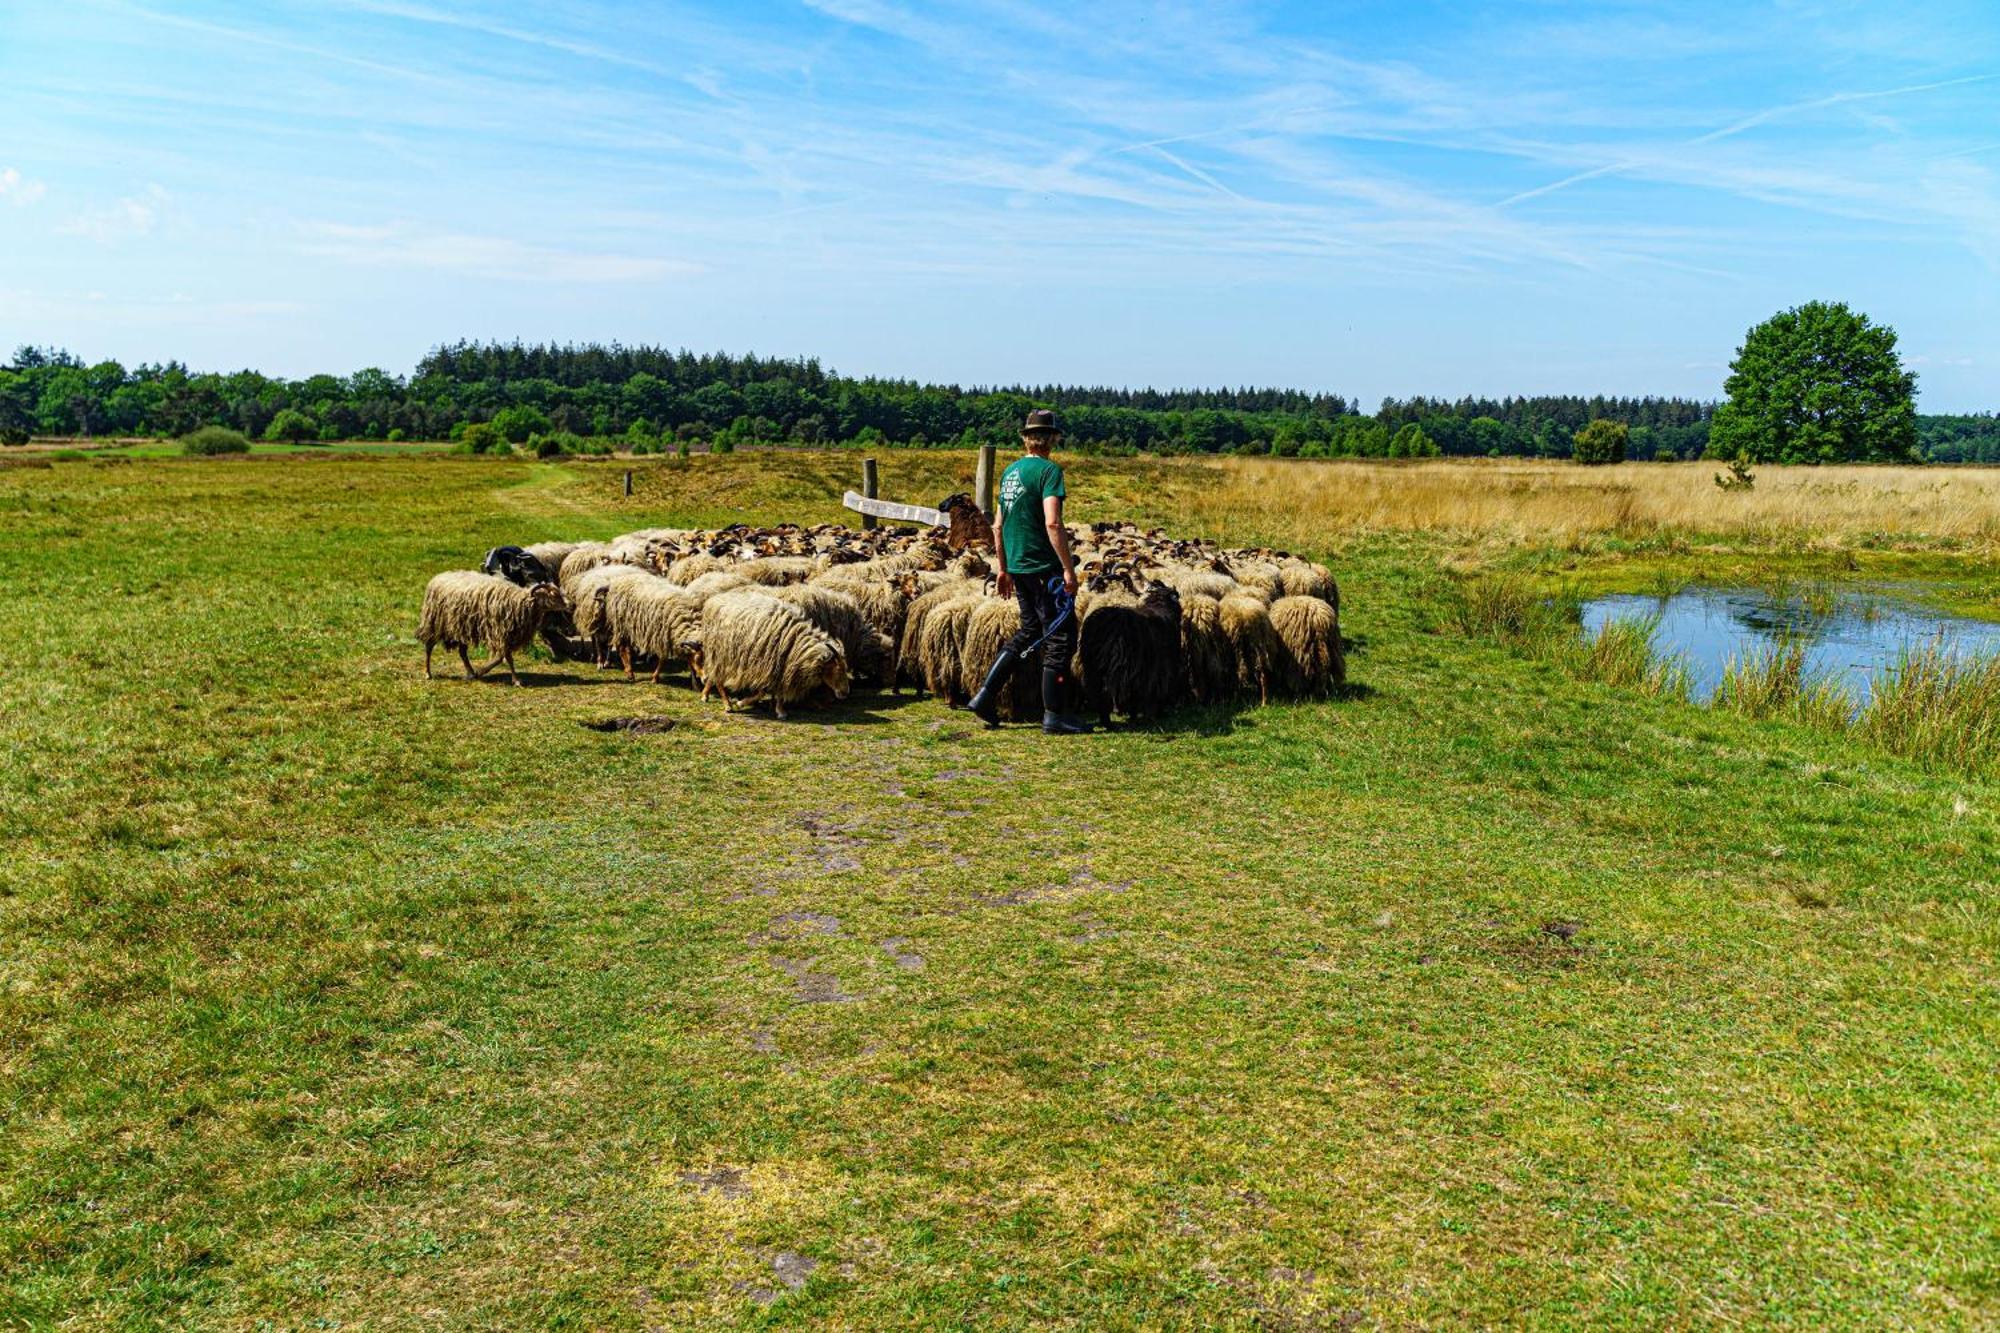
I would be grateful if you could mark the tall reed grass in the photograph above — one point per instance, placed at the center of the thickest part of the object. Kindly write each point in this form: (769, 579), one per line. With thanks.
(1776, 681)
(1936, 705)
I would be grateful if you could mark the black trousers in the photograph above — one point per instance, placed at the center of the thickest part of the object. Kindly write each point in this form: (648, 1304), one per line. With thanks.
(1038, 612)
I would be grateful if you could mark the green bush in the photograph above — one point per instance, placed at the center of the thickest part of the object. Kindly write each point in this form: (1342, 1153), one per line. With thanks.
(480, 438)
(13, 434)
(518, 425)
(210, 441)
(291, 426)
(397, 435)
(1602, 442)
(328, 434)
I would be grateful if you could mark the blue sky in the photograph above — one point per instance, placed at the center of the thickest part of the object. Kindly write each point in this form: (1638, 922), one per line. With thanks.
(1366, 198)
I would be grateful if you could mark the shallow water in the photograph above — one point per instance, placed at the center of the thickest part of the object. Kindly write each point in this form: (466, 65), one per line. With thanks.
(1849, 636)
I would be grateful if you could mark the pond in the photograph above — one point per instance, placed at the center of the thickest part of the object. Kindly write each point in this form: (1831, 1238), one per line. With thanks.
(1849, 633)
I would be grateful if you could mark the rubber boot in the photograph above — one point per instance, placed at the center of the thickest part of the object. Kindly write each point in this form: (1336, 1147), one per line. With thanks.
(1054, 720)
(985, 705)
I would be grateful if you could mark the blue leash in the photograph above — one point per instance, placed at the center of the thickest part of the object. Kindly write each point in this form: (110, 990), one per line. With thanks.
(1064, 605)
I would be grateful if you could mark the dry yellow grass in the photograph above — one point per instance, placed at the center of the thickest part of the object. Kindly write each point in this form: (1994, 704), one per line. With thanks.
(1561, 501)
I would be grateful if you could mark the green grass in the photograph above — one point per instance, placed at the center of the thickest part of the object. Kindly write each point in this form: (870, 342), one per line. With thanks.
(330, 996)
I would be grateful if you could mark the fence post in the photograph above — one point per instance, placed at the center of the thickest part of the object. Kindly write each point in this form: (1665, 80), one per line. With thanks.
(868, 489)
(982, 488)
(628, 481)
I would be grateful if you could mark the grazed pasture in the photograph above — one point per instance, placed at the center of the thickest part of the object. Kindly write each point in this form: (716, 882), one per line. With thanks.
(1483, 995)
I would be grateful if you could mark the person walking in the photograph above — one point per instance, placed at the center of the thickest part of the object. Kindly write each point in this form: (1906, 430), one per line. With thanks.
(1036, 568)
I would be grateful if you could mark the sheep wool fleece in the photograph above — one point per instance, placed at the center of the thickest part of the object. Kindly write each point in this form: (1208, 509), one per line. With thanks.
(1023, 531)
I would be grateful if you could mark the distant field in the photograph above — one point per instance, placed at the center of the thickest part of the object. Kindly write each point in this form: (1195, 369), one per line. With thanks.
(172, 448)
(330, 996)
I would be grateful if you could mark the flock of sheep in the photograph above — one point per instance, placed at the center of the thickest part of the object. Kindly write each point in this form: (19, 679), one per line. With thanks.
(793, 615)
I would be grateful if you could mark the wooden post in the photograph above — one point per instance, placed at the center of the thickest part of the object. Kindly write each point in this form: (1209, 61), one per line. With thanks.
(982, 488)
(868, 489)
(628, 481)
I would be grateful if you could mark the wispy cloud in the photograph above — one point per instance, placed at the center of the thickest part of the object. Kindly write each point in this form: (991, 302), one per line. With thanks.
(1637, 162)
(17, 189)
(129, 218)
(406, 245)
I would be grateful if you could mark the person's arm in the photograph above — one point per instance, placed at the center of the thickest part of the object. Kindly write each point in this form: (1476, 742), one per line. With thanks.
(1052, 507)
(1003, 582)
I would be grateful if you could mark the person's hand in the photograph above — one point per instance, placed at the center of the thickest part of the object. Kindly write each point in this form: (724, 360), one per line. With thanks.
(1003, 583)
(1069, 582)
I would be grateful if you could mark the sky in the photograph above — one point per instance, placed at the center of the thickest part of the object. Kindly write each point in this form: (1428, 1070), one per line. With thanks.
(1366, 199)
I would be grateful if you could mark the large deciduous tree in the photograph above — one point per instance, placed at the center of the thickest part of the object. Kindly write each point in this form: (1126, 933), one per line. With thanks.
(1818, 384)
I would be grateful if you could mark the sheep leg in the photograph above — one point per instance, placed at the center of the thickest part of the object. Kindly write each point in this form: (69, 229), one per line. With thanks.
(509, 656)
(778, 704)
(470, 674)
(659, 665)
(427, 660)
(625, 656)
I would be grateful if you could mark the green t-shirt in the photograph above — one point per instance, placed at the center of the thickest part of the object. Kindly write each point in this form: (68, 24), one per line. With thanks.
(1024, 533)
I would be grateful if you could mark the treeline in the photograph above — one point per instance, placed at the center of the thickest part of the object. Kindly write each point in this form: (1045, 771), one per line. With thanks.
(653, 397)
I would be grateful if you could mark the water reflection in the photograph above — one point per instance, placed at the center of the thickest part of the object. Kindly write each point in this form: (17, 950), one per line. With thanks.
(1850, 634)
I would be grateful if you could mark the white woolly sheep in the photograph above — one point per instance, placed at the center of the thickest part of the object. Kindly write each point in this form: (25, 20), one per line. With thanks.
(1206, 652)
(1246, 619)
(588, 596)
(756, 646)
(465, 607)
(1308, 633)
(651, 617)
(870, 654)
(714, 583)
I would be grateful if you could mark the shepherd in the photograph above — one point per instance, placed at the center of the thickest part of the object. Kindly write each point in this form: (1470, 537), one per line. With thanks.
(1036, 568)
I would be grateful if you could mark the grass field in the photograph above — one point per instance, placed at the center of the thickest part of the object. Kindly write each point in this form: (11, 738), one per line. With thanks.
(331, 997)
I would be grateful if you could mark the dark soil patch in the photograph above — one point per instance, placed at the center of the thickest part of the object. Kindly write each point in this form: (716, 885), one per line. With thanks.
(730, 1182)
(794, 924)
(639, 725)
(814, 987)
(905, 959)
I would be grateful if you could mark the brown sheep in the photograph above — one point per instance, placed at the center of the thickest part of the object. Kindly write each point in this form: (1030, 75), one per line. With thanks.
(757, 646)
(465, 607)
(1308, 634)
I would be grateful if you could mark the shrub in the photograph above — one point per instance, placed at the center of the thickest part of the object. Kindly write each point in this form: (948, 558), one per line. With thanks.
(397, 435)
(517, 425)
(478, 437)
(1601, 442)
(291, 426)
(210, 441)
(328, 434)
(13, 435)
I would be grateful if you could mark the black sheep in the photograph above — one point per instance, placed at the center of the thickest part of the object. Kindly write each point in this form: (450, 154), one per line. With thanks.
(1131, 652)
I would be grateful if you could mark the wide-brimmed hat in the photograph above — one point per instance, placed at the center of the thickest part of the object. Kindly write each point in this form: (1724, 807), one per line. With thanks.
(1041, 421)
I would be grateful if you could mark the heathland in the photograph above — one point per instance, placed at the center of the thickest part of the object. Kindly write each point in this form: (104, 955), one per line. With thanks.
(1500, 989)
